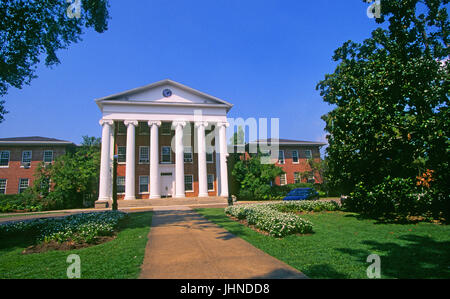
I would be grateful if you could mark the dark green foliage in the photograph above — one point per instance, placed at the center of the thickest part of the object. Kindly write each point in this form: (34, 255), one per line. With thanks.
(390, 96)
(24, 202)
(254, 178)
(31, 30)
(74, 178)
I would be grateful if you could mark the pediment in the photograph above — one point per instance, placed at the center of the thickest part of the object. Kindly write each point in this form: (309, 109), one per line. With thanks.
(154, 93)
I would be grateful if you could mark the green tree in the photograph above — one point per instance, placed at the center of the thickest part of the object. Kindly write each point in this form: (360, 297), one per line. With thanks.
(390, 99)
(254, 178)
(30, 30)
(71, 179)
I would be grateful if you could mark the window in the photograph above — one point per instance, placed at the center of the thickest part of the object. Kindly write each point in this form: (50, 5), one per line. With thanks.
(48, 156)
(23, 185)
(4, 158)
(311, 179)
(120, 184)
(166, 153)
(210, 155)
(144, 157)
(166, 128)
(188, 154)
(143, 184)
(281, 157)
(295, 157)
(297, 178)
(283, 179)
(188, 183)
(210, 182)
(26, 156)
(121, 154)
(2, 186)
(121, 128)
(143, 128)
(308, 154)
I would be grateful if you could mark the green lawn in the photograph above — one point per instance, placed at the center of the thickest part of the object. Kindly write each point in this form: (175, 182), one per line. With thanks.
(119, 258)
(342, 241)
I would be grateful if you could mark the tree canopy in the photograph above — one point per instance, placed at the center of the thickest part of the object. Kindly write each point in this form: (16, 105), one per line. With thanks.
(30, 30)
(390, 98)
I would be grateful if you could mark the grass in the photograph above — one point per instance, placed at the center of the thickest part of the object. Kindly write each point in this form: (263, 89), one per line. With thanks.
(342, 241)
(119, 258)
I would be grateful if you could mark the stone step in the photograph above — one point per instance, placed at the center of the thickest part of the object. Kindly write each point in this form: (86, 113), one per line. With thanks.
(163, 202)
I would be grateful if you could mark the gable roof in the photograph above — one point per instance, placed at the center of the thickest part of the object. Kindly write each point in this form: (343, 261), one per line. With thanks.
(281, 141)
(161, 83)
(33, 140)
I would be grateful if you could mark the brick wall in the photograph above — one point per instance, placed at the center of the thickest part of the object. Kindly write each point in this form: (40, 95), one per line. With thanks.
(15, 171)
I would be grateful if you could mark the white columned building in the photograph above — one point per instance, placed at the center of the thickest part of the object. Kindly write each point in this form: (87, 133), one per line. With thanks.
(164, 130)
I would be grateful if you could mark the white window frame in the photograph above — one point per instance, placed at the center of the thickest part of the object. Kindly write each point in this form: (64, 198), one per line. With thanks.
(124, 154)
(141, 125)
(310, 154)
(184, 153)
(43, 158)
(283, 160)
(20, 184)
(31, 156)
(170, 155)
(121, 124)
(298, 159)
(298, 177)
(166, 133)
(9, 158)
(285, 179)
(207, 182)
(192, 182)
(120, 177)
(141, 160)
(4, 188)
(140, 184)
(210, 151)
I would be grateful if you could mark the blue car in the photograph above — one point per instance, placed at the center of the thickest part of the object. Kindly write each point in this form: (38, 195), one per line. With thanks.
(302, 194)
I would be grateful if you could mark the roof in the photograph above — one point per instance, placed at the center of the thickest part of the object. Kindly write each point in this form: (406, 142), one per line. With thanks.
(33, 140)
(160, 83)
(281, 141)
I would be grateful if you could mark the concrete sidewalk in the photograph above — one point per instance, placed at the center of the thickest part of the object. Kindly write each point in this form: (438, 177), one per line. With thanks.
(184, 245)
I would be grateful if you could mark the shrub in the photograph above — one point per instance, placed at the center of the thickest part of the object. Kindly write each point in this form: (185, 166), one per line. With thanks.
(19, 202)
(79, 228)
(393, 197)
(274, 219)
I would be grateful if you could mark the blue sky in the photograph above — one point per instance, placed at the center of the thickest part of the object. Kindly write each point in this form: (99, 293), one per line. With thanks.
(265, 57)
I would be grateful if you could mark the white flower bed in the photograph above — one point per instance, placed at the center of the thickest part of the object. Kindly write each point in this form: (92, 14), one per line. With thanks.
(78, 228)
(275, 218)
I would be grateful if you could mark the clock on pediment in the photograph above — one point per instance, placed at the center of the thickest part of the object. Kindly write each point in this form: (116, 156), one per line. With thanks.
(167, 93)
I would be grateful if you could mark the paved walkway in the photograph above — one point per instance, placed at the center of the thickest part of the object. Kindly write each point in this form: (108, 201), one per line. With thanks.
(184, 245)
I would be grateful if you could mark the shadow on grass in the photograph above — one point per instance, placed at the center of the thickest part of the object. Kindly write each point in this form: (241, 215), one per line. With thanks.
(420, 257)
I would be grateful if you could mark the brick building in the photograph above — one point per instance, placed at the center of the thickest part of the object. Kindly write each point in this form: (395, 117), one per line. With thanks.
(20, 156)
(293, 156)
(171, 142)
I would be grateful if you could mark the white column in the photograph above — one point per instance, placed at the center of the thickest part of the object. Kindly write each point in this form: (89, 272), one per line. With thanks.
(130, 181)
(217, 154)
(155, 184)
(201, 148)
(111, 161)
(223, 159)
(179, 158)
(103, 193)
